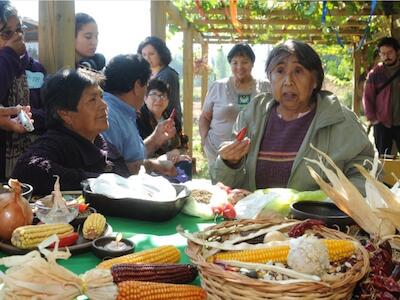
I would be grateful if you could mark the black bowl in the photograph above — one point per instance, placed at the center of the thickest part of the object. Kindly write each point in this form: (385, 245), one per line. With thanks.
(137, 208)
(324, 211)
(98, 247)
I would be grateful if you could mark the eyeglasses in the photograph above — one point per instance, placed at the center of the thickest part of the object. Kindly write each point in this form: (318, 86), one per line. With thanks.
(6, 34)
(155, 96)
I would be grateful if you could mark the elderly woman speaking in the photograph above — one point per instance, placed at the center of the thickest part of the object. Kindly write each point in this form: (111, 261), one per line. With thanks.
(72, 147)
(282, 125)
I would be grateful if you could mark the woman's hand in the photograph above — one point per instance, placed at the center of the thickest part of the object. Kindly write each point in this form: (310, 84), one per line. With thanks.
(165, 130)
(10, 123)
(234, 151)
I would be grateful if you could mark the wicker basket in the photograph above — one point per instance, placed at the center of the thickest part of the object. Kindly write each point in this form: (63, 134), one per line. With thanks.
(222, 284)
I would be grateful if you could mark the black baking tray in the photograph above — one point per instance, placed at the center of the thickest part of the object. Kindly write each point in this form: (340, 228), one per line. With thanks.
(137, 208)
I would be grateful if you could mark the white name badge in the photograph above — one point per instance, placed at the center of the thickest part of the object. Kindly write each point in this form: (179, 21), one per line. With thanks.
(35, 79)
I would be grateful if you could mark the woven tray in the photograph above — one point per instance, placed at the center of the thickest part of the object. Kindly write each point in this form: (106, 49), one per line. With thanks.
(222, 284)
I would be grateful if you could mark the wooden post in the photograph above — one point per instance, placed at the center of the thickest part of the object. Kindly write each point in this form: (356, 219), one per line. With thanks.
(204, 73)
(188, 85)
(57, 34)
(356, 76)
(158, 18)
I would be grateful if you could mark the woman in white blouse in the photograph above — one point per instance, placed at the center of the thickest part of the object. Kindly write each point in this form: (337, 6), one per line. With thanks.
(226, 98)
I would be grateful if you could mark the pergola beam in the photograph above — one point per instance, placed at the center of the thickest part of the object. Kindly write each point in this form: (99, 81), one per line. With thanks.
(57, 34)
(284, 13)
(158, 19)
(176, 18)
(285, 31)
(271, 21)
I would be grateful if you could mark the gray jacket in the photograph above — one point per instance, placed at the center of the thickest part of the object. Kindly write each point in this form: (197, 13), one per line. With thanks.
(335, 130)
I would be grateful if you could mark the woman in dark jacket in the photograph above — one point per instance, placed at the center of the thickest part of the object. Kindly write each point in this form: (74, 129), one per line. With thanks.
(156, 52)
(72, 148)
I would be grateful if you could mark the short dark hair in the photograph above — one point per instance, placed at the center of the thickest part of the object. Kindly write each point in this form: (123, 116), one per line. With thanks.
(305, 54)
(160, 46)
(82, 19)
(241, 49)
(159, 85)
(63, 90)
(390, 42)
(124, 70)
(6, 11)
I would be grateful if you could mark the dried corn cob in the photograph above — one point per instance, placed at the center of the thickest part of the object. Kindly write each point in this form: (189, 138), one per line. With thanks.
(94, 226)
(167, 273)
(337, 250)
(142, 290)
(159, 255)
(27, 237)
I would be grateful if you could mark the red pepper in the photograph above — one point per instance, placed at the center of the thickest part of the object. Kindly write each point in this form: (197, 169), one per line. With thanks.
(67, 240)
(300, 229)
(173, 114)
(83, 207)
(241, 134)
(228, 211)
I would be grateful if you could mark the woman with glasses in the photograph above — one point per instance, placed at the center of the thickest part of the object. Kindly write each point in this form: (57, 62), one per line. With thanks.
(156, 52)
(86, 39)
(20, 80)
(154, 111)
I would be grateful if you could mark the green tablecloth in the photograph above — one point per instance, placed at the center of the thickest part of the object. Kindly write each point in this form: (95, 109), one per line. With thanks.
(144, 234)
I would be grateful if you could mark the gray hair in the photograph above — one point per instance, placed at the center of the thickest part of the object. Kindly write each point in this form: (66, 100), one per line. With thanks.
(306, 55)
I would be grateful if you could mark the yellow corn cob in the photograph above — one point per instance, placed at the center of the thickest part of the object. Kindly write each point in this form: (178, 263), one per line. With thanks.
(337, 250)
(27, 237)
(143, 290)
(94, 226)
(159, 255)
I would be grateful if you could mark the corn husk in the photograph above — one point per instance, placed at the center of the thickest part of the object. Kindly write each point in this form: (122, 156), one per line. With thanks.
(364, 211)
(31, 276)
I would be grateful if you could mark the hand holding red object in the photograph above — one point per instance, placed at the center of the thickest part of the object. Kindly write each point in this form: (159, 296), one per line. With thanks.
(225, 210)
(241, 134)
(67, 240)
(173, 114)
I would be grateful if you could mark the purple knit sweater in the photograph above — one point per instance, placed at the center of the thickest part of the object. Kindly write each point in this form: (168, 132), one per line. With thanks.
(11, 66)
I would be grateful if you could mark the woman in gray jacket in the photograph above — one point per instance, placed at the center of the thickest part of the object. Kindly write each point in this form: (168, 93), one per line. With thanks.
(282, 125)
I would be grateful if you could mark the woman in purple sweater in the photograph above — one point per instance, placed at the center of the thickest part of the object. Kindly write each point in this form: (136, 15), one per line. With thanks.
(20, 80)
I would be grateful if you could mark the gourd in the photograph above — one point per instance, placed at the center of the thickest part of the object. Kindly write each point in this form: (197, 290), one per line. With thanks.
(15, 210)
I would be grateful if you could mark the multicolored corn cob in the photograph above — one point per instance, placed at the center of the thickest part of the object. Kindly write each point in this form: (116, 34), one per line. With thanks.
(167, 273)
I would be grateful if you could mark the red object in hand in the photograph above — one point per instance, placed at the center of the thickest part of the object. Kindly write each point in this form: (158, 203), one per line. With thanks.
(173, 114)
(241, 134)
(67, 240)
(83, 207)
(228, 211)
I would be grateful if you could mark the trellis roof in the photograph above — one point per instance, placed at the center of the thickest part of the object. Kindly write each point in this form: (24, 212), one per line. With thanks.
(233, 21)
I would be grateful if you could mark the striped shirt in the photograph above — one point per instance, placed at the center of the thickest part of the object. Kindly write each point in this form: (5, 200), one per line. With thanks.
(278, 149)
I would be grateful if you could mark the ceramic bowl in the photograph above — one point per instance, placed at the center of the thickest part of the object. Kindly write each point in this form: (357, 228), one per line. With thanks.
(27, 190)
(324, 211)
(100, 247)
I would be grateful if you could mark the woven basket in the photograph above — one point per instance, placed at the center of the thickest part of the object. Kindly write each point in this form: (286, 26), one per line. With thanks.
(222, 284)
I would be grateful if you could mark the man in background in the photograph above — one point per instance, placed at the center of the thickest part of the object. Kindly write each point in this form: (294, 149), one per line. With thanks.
(125, 87)
(381, 98)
